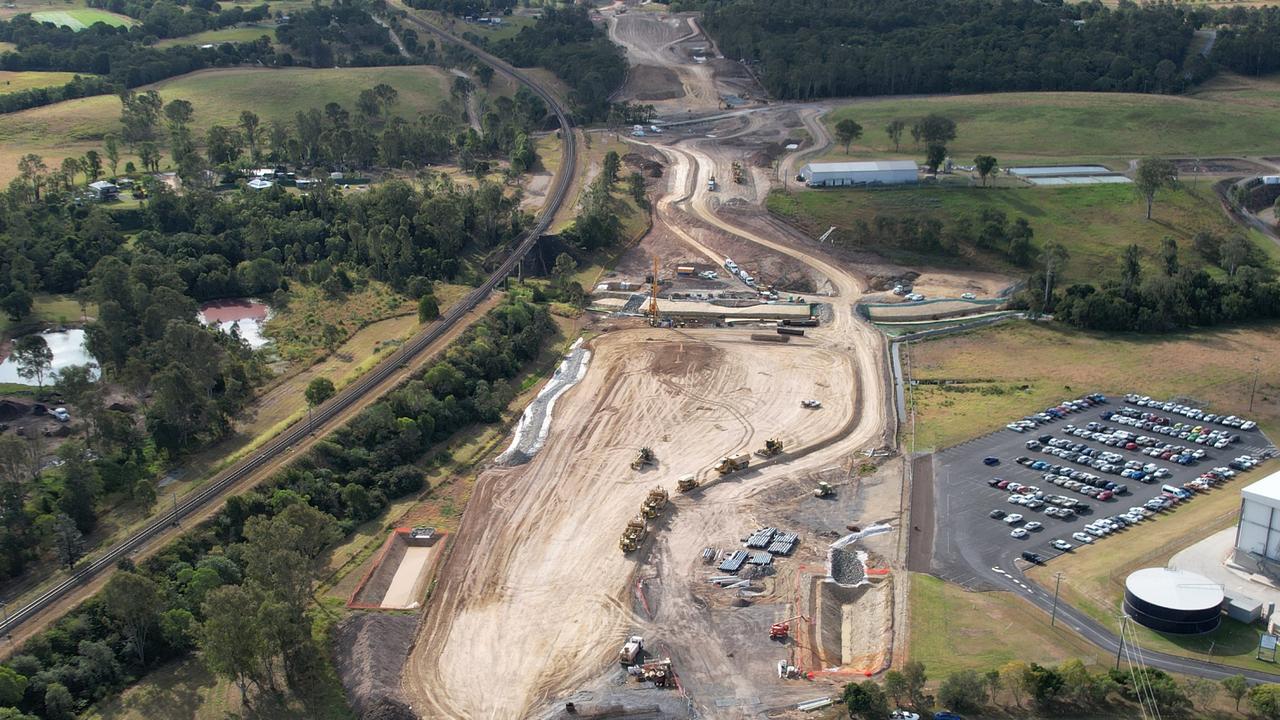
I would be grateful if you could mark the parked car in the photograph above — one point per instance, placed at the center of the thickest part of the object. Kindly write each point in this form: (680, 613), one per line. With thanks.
(1061, 544)
(1018, 533)
(1032, 557)
(1012, 519)
(997, 514)
(990, 460)
(1082, 537)
(60, 414)
(1033, 525)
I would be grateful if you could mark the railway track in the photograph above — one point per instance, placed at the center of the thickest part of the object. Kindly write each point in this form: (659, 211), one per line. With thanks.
(217, 488)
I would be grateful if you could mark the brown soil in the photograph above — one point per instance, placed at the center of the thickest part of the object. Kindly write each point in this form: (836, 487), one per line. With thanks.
(369, 651)
(649, 82)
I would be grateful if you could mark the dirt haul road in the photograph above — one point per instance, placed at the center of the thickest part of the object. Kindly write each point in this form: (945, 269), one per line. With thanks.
(535, 597)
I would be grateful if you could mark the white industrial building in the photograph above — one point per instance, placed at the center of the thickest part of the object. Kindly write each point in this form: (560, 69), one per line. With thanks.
(1258, 534)
(876, 172)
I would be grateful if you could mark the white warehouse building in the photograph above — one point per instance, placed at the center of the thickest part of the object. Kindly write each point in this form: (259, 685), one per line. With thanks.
(1258, 534)
(876, 172)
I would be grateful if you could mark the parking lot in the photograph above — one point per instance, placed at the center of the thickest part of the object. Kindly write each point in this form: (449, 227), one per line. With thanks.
(973, 549)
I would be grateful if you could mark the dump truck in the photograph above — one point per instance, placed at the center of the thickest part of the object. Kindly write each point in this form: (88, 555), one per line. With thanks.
(633, 534)
(733, 464)
(823, 490)
(631, 650)
(644, 457)
(654, 503)
(771, 447)
(685, 483)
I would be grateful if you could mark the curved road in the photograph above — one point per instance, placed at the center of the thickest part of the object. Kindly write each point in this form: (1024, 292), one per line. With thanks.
(77, 588)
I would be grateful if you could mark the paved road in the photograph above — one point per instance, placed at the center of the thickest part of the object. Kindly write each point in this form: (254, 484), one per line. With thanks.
(218, 488)
(977, 552)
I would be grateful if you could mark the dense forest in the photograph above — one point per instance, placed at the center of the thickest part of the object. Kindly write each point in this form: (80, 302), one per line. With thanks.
(464, 8)
(238, 587)
(1248, 45)
(564, 41)
(807, 48)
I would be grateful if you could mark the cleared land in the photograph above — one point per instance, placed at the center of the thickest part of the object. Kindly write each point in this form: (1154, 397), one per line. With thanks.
(11, 82)
(692, 399)
(72, 127)
(1228, 116)
(239, 33)
(1095, 222)
(1007, 370)
(83, 18)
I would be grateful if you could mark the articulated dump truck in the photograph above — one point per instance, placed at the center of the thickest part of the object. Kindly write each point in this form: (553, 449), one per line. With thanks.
(733, 464)
(685, 483)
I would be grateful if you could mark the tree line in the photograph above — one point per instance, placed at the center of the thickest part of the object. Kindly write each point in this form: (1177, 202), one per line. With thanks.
(566, 42)
(239, 587)
(1068, 689)
(807, 48)
(167, 19)
(77, 87)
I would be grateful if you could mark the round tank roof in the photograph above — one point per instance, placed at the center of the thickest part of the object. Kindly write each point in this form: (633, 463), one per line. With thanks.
(1174, 589)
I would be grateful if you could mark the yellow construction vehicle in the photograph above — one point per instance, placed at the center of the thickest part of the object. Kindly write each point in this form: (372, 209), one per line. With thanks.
(824, 489)
(644, 457)
(633, 534)
(739, 175)
(771, 448)
(733, 464)
(654, 503)
(686, 483)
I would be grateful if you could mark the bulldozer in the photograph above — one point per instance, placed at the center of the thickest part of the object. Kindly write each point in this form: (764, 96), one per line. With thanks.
(633, 534)
(654, 503)
(824, 489)
(686, 483)
(644, 457)
(771, 448)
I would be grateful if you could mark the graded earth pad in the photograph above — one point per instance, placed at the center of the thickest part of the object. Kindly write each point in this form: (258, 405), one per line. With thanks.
(536, 591)
(398, 578)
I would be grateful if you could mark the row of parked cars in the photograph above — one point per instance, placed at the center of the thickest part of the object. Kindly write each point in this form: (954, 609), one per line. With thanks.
(1057, 412)
(1154, 447)
(1103, 461)
(1153, 422)
(1189, 411)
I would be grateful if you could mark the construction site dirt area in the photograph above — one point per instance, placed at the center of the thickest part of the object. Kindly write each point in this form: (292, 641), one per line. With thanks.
(400, 572)
(536, 590)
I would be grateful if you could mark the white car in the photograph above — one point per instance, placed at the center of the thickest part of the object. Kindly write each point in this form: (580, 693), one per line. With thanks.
(1018, 533)
(1081, 537)
(1013, 519)
(1061, 544)
(1033, 525)
(903, 715)
(968, 296)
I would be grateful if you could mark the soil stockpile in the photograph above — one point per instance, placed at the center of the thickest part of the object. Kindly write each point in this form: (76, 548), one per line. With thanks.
(369, 652)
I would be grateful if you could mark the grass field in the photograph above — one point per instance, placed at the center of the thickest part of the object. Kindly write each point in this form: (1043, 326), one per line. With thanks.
(11, 82)
(242, 33)
(1095, 222)
(72, 127)
(45, 310)
(82, 18)
(1093, 577)
(1021, 366)
(1230, 115)
(953, 629)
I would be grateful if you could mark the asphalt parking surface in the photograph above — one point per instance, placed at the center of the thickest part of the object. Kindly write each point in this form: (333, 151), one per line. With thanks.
(977, 551)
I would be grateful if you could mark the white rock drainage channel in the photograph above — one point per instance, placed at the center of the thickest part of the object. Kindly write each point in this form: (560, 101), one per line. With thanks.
(531, 432)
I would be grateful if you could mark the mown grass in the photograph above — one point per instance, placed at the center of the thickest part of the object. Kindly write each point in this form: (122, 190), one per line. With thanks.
(953, 629)
(1094, 222)
(239, 33)
(275, 94)
(1017, 367)
(1228, 116)
(46, 309)
(12, 82)
(1093, 576)
(82, 18)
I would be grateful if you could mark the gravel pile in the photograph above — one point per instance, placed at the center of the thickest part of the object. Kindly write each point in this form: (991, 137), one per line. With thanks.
(370, 650)
(846, 568)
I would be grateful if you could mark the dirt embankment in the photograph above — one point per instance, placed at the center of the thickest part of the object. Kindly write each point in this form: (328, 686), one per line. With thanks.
(370, 651)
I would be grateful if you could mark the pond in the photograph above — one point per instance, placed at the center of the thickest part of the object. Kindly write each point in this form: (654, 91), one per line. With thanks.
(245, 316)
(68, 349)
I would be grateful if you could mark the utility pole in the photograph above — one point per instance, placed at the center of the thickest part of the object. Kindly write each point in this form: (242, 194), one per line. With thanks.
(1124, 621)
(175, 507)
(1053, 617)
(1256, 365)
